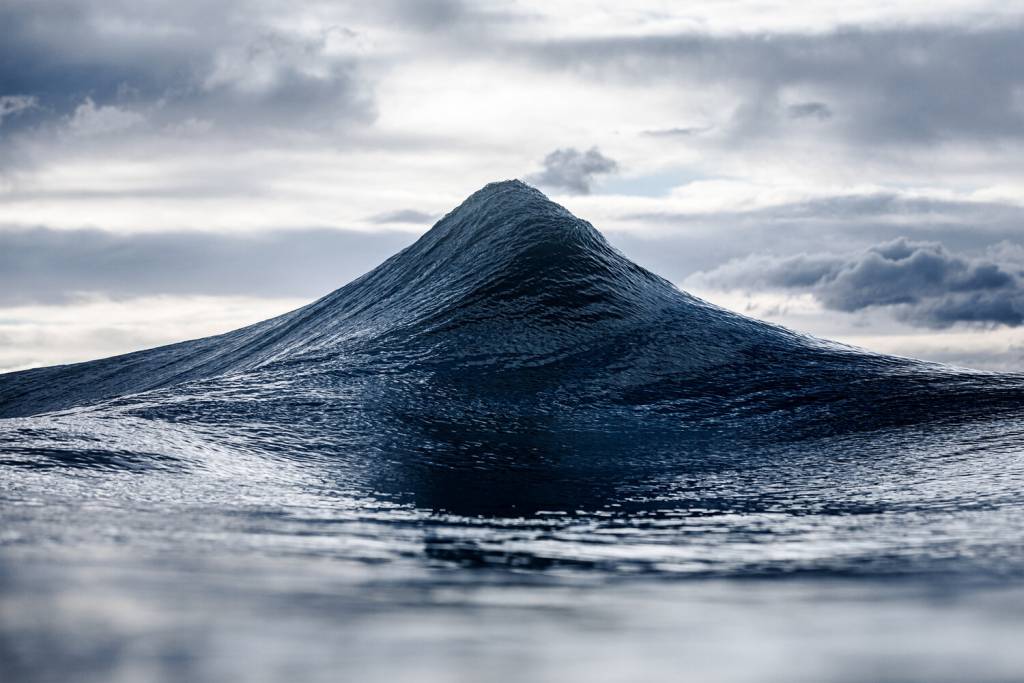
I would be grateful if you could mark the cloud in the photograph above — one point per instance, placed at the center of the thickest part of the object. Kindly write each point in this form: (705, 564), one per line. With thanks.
(923, 283)
(44, 266)
(429, 15)
(11, 105)
(898, 85)
(403, 216)
(88, 119)
(290, 81)
(573, 171)
(681, 132)
(762, 218)
(235, 66)
(98, 327)
(809, 110)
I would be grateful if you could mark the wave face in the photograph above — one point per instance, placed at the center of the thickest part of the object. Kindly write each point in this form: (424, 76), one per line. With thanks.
(491, 431)
(509, 360)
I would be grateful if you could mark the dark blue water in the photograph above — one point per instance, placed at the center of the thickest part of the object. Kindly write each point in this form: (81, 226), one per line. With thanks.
(509, 453)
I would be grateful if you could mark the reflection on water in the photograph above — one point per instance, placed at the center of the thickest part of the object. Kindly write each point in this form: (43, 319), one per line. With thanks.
(897, 557)
(325, 622)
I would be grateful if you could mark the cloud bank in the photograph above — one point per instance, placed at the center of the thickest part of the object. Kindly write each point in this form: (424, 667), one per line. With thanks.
(230, 68)
(42, 266)
(921, 282)
(905, 85)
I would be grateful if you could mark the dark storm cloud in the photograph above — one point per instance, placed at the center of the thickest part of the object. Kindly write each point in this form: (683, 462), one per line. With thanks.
(174, 63)
(915, 85)
(573, 171)
(41, 265)
(924, 282)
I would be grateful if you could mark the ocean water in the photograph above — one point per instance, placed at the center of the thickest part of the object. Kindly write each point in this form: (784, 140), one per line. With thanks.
(509, 453)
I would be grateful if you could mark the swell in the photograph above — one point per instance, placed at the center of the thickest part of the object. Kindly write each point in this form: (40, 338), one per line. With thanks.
(511, 305)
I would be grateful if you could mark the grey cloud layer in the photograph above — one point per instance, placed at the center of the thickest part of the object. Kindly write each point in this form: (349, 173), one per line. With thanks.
(404, 216)
(49, 266)
(231, 66)
(809, 110)
(924, 282)
(185, 62)
(849, 222)
(234, 64)
(46, 266)
(913, 85)
(829, 235)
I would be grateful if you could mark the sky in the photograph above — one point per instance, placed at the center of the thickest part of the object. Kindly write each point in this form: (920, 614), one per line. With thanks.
(850, 170)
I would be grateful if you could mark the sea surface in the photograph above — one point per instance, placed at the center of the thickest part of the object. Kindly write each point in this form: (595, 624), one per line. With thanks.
(510, 454)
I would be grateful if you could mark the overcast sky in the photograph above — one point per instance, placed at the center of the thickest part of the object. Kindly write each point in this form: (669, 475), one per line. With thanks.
(170, 170)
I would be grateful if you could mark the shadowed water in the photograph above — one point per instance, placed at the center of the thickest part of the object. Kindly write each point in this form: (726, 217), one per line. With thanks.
(509, 453)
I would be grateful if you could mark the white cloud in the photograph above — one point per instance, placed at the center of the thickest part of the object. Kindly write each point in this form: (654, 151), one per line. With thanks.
(89, 119)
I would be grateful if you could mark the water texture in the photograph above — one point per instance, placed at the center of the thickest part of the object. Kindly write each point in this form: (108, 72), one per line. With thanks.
(509, 453)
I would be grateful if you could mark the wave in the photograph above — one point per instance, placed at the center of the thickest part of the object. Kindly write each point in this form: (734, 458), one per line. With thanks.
(510, 359)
